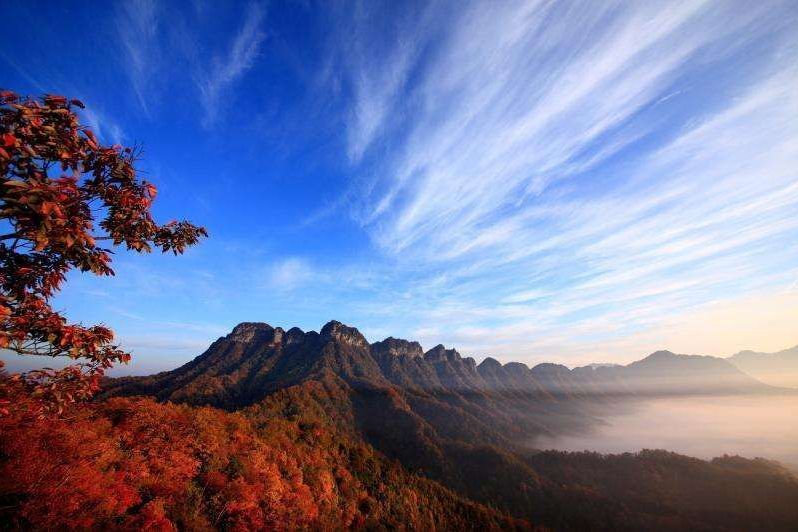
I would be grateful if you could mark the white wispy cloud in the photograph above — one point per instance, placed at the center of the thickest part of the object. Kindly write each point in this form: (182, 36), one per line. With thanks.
(104, 127)
(289, 274)
(372, 60)
(579, 171)
(160, 44)
(227, 69)
(137, 25)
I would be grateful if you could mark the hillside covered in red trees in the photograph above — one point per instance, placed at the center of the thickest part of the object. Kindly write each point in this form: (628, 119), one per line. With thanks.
(284, 430)
(137, 464)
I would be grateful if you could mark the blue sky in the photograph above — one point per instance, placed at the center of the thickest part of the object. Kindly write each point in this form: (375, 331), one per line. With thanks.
(566, 181)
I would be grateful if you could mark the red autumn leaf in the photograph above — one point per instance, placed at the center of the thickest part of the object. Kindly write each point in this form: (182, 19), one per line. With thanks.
(8, 96)
(56, 222)
(55, 99)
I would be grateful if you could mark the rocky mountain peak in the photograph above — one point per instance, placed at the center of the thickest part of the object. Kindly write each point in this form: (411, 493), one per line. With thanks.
(294, 335)
(440, 353)
(516, 368)
(248, 331)
(662, 354)
(549, 369)
(490, 363)
(397, 347)
(664, 358)
(335, 330)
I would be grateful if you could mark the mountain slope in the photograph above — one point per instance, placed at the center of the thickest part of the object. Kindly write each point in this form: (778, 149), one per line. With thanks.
(133, 464)
(438, 395)
(776, 369)
(415, 424)
(438, 413)
(666, 373)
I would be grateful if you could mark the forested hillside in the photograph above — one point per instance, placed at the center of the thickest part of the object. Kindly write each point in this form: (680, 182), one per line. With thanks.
(138, 465)
(463, 425)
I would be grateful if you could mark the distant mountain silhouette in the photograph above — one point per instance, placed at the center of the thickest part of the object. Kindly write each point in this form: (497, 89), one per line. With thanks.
(440, 414)
(666, 373)
(776, 369)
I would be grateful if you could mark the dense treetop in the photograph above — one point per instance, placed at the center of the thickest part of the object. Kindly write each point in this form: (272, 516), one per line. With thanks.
(63, 197)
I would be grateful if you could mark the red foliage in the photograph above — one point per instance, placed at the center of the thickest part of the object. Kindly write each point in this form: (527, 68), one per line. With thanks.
(143, 465)
(134, 464)
(61, 192)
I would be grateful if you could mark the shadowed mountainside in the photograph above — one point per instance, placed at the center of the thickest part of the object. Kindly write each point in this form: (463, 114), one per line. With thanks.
(445, 417)
(256, 359)
(435, 395)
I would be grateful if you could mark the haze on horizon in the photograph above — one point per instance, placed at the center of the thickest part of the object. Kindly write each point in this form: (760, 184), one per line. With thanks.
(535, 181)
(703, 427)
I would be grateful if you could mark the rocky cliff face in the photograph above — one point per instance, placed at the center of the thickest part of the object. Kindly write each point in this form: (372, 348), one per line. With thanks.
(397, 347)
(393, 386)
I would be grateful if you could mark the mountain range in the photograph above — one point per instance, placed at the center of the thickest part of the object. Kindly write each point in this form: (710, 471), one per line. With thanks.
(468, 426)
(256, 358)
(776, 369)
(434, 392)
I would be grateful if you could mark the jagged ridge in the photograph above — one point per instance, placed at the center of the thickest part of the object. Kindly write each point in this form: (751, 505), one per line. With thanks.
(437, 412)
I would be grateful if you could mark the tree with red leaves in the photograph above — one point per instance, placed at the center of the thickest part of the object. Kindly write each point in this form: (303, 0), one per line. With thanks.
(62, 192)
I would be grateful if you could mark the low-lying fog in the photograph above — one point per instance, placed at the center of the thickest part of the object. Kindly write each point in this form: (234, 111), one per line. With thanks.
(703, 427)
